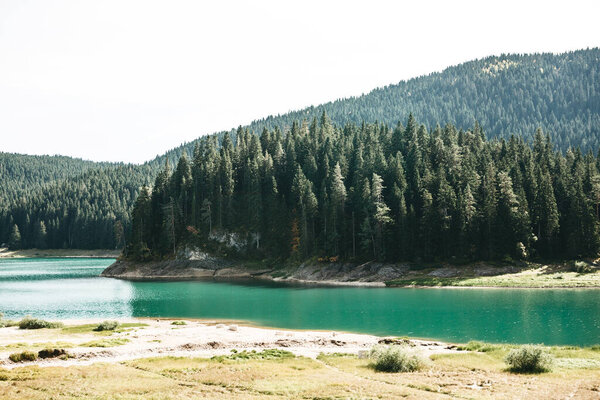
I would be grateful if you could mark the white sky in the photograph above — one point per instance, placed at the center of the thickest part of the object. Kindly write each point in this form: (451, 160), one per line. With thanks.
(126, 80)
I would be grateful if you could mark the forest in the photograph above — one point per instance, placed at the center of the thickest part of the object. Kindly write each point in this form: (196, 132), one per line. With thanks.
(369, 191)
(62, 202)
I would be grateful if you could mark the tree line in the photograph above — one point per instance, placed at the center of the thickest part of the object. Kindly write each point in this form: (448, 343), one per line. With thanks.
(373, 192)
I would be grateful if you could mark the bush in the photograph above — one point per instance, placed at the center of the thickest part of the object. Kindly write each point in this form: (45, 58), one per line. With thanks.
(24, 356)
(396, 359)
(51, 353)
(34, 323)
(178, 323)
(529, 358)
(580, 267)
(6, 322)
(107, 326)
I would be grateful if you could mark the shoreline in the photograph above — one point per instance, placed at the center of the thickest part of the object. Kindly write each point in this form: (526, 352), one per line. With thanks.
(371, 274)
(59, 253)
(204, 338)
(155, 358)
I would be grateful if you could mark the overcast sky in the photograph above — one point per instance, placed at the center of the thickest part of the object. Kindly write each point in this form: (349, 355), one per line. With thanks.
(127, 80)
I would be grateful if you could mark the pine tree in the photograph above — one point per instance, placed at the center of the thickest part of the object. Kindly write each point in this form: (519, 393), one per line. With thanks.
(14, 240)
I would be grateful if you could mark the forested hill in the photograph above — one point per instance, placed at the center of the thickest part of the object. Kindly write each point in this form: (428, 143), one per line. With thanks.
(65, 202)
(57, 201)
(22, 174)
(365, 192)
(508, 94)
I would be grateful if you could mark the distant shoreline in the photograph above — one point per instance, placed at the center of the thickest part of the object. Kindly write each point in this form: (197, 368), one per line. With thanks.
(371, 274)
(61, 253)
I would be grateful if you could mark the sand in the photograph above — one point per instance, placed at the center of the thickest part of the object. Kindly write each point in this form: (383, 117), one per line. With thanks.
(198, 338)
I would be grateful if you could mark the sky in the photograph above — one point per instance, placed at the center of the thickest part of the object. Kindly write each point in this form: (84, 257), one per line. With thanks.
(126, 80)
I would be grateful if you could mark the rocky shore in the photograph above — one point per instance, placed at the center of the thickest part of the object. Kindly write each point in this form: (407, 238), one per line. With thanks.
(202, 266)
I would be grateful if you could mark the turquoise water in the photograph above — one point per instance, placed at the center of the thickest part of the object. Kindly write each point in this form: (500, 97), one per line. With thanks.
(71, 288)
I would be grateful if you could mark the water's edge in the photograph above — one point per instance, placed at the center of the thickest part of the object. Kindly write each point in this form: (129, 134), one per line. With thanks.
(369, 274)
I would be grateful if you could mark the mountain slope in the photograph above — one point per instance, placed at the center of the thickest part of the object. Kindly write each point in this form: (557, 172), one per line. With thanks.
(508, 94)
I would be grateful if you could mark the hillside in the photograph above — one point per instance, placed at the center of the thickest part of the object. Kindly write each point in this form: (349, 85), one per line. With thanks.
(508, 94)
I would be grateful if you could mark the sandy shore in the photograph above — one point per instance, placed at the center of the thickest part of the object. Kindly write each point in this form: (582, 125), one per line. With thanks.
(194, 339)
(66, 253)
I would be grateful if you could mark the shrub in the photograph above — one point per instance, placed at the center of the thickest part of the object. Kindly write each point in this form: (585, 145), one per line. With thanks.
(178, 323)
(107, 326)
(580, 267)
(34, 323)
(24, 356)
(529, 358)
(396, 359)
(51, 353)
(6, 322)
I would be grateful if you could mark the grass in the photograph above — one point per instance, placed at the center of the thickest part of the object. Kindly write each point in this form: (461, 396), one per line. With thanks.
(530, 276)
(109, 342)
(91, 328)
(23, 356)
(275, 374)
(35, 346)
(178, 323)
(269, 354)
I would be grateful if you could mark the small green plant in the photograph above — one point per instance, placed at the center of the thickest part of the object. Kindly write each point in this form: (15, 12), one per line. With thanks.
(529, 359)
(34, 323)
(178, 323)
(482, 347)
(395, 359)
(107, 326)
(24, 356)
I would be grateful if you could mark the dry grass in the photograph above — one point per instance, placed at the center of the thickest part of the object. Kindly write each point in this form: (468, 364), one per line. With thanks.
(464, 375)
(533, 276)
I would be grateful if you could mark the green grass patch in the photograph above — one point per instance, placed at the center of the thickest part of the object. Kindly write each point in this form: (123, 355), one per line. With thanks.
(23, 356)
(268, 354)
(482, 347)
(106, 342)
(178, 323)
(91, 328)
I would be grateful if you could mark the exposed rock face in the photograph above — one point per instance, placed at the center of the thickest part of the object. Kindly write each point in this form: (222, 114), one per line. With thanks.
(206, 268)
(199, 265)
(347, 272)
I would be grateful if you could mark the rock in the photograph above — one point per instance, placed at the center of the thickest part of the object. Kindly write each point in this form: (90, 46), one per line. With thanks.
(444, 272)
(363, 354)
(52, 353)
(233, 328)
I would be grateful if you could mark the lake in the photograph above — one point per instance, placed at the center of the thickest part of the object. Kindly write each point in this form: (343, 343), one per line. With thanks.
(57, 288)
